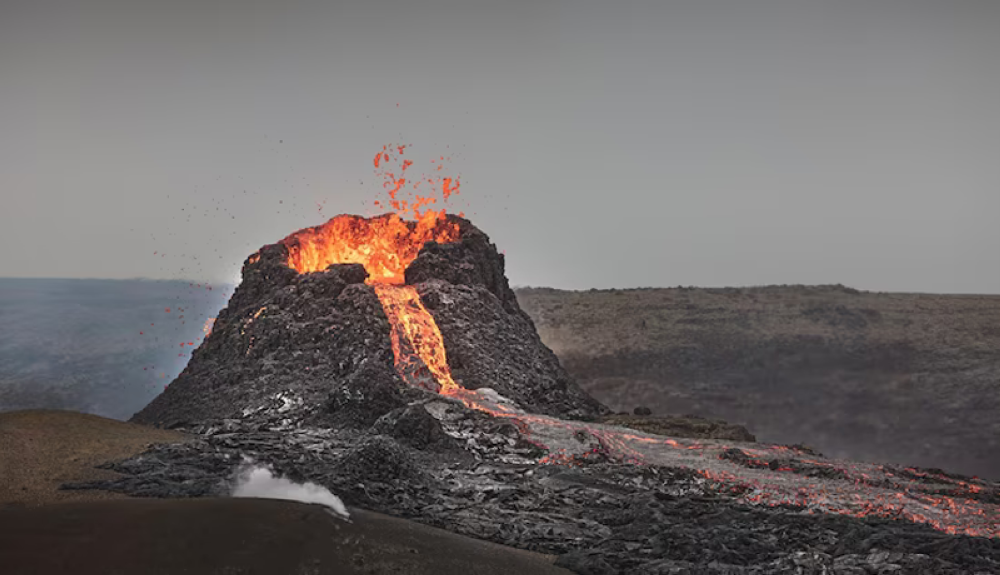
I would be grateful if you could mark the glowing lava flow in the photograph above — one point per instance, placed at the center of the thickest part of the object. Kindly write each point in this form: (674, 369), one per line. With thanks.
(386, 245)
(416, 340)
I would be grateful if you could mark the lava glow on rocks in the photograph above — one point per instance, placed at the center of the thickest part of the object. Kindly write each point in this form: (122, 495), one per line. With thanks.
(385, 245)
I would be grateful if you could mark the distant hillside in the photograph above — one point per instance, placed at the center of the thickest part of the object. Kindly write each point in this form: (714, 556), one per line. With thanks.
(76, 344)
(908, 378)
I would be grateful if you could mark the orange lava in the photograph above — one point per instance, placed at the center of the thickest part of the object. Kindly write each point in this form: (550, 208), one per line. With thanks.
(385, 245)
(416, 340)
(404, 195)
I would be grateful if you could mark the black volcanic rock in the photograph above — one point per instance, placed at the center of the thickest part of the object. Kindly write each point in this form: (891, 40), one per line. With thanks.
(311, 346)
(361, 398)
(491, 346)
(316, 347)
(472, 261)
(601, 518)
(381, 459)
(412, 426)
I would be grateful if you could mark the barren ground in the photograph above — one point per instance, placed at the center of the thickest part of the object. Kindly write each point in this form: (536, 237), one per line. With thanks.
(42, 449)
(905, 378)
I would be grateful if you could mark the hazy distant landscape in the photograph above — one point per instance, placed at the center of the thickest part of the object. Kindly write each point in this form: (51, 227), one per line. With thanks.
(76, 344)
(905, 378)
(888, 377)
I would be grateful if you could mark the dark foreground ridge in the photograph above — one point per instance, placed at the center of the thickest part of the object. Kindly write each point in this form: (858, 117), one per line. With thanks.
(299, 375)
(245, 536)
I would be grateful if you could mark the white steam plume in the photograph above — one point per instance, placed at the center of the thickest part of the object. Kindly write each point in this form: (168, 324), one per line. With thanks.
(259, 481)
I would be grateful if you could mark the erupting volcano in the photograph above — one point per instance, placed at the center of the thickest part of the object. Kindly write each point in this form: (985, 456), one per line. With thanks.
(386, 246)
(421, 273)
(388, 360)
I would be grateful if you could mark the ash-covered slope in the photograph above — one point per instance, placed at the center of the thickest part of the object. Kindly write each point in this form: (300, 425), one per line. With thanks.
(317, 348)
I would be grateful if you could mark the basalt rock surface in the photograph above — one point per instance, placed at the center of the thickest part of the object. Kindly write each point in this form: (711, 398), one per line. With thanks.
(471, 261)
(490, 346)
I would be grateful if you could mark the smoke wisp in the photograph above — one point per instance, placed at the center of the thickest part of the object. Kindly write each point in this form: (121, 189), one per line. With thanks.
(259, 481)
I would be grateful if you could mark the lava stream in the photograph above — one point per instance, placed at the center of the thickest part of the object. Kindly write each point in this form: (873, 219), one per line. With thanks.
(386, 245)
(416, 340)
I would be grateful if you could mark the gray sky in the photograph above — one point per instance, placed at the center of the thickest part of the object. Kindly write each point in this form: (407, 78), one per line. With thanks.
(600, 144)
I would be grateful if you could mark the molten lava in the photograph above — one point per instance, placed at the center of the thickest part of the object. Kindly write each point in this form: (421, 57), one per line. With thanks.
(416, 340)
(385, 245)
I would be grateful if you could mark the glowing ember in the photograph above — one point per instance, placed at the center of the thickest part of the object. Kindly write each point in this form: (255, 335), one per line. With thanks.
(385, 246)
(207, 328)
(403, 194)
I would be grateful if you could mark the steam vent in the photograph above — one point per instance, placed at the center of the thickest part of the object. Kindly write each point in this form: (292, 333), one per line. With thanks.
(356, 317)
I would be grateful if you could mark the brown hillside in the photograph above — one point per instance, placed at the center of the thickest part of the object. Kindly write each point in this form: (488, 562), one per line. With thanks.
(42, 449)
(908, 378)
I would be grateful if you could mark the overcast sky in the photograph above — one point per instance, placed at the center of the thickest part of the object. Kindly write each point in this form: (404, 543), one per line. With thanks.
(600, 144)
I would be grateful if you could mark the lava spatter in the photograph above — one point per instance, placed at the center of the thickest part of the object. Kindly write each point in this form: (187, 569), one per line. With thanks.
(404, 192)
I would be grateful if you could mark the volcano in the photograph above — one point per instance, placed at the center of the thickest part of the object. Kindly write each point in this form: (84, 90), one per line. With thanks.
(389, 361)
(346, 320)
